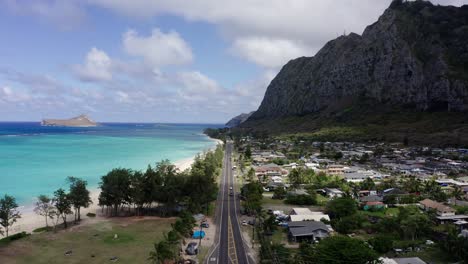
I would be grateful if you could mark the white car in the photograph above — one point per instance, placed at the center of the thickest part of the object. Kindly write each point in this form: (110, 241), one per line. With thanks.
(244, 222)
(230, 188)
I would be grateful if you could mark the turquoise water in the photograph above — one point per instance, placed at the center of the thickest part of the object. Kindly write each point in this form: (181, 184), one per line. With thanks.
(37, 160)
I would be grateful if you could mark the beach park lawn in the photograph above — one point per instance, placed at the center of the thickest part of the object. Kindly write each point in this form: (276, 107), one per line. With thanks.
(91, 243)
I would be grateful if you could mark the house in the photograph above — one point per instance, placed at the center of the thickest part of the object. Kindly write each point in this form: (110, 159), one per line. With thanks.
(363, 193)
(277, 179)
(333, 192)
(413, 260)
(451, 218)
(355, 177)
(300, 211)
(307, 231)
(291, 165)
(393, 191)
(311, 165)
(441, 209)
(463, 179)
(335, 169)
(270, 170)
(271, 186)
(304, 214)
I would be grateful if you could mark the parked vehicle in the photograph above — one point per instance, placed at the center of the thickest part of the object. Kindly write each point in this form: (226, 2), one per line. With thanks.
(205, 225)
(192, 248)
(244, 222)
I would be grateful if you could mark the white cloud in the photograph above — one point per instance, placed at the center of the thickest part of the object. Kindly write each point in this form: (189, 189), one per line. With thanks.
(7, 94)
(269, 52)
(159, 48)
(122, 97)
(196, 83)
(65, 14)
(97, 67)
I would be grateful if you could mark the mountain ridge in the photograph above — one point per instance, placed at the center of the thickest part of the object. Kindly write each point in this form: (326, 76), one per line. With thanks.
(239, 119)
(413, 59)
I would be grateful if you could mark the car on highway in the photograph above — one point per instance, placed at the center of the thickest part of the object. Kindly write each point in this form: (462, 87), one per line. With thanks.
(230, 188)
(192, 248)
(231, 193)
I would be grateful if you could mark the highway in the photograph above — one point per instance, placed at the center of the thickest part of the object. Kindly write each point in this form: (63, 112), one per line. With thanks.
(229, 246)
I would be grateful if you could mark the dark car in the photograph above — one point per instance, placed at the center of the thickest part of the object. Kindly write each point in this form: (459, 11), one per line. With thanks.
(205, 225)
(231, 193)
(192, 248)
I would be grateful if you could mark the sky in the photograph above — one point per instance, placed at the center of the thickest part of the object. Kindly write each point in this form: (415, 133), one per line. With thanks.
(177, 61)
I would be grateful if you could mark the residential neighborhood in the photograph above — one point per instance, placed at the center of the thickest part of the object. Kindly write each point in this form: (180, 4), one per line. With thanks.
(408, 198)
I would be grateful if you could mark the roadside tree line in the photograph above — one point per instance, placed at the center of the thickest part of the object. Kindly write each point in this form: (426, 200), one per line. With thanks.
(162, 189)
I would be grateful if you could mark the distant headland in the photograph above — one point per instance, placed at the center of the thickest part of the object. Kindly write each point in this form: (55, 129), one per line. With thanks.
(79, 121)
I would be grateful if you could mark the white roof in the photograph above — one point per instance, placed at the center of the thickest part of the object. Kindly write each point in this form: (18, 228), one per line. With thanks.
(301, 211)
(311, 217)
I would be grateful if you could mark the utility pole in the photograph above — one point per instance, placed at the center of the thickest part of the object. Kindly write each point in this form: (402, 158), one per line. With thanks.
(253, 231)
(201, 230)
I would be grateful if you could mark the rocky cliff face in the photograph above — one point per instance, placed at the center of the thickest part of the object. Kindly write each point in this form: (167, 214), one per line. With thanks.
(79, 121)
(235, 121)
(414, 57)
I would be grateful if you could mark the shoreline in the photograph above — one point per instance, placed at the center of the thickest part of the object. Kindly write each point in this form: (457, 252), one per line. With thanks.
(30, 220)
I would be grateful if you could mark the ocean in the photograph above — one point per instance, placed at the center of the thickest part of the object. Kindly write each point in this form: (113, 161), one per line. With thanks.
(37, 160)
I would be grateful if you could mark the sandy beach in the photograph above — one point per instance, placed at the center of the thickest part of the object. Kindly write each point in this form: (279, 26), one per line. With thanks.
(30, 220)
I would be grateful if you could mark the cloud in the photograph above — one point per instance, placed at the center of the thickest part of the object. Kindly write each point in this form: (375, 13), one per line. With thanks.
(35, 82)
(158, 49)
(282, 28)
(269, 52)
(195, 83)
(9, 95)
(65, 14)
(97, 67)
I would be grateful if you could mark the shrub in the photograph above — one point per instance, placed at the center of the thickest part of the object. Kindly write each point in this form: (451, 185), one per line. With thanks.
(382, 243)
(91, 215)
(42, 229)
(14, 237)
(349, 223)
(279, 193)
(301, 199)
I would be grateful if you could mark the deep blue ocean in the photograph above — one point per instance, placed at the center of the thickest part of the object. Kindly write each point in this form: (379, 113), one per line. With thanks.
(36, 159)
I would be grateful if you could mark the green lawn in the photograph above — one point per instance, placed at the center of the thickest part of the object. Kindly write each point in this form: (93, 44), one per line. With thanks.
(386, 212)
(280, 236)
(93, 243)
(322, 200)
(270, 201)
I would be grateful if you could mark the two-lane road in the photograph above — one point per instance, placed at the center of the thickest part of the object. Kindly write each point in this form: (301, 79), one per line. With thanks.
(229, 247)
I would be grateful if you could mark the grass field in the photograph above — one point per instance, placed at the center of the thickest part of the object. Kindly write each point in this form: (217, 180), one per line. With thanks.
(91, 243)
(386, 212)
(270, 201)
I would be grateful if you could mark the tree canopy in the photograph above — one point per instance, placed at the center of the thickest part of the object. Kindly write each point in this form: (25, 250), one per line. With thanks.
(8, 212)
(345, 250)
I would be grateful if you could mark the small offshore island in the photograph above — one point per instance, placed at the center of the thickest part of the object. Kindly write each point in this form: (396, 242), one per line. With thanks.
(79, 121)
